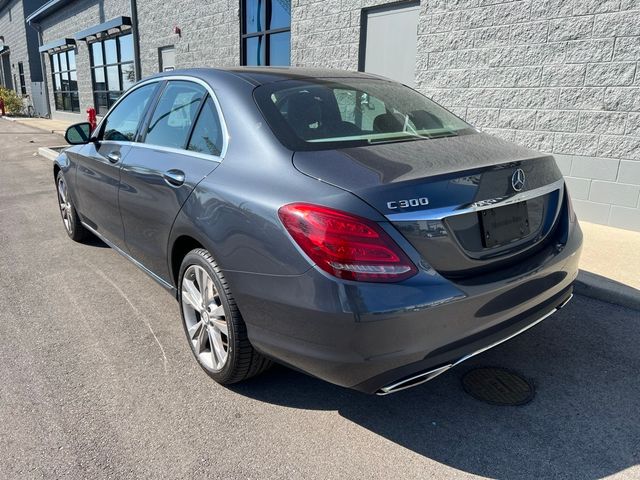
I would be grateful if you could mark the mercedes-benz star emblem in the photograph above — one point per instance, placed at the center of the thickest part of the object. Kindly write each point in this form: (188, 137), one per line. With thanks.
(518, 179)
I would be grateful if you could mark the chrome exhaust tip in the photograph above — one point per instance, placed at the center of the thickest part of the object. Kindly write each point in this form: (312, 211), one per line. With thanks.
(413, 380)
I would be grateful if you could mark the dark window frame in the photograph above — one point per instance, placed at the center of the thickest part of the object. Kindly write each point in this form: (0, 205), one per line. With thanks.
(60, 107)
(265, 34)
(104, 65)
(23, 85)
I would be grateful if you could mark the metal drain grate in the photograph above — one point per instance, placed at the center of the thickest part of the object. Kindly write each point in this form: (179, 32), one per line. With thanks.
(498, 386)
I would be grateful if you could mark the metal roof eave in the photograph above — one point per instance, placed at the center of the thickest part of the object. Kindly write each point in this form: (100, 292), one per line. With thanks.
(58, 44)
(47, 9)
(117, 22)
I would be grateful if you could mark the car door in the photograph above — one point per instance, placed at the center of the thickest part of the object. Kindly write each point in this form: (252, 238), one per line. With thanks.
(99, 163)
(181, 144)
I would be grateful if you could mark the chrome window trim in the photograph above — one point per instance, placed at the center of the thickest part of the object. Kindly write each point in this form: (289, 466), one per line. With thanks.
(444, 212)
(225, 131)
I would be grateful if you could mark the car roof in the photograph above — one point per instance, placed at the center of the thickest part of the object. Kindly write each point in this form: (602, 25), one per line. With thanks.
(263, 75)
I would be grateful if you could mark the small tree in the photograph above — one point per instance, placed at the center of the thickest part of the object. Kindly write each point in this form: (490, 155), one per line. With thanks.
(12, 101)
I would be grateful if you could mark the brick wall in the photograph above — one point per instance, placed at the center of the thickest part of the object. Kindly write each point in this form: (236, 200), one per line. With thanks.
(14, 35)
(560, 76)
(210, 33)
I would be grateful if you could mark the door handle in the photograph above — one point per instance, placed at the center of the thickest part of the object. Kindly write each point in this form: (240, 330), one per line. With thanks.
(113, 157)
(174, 177)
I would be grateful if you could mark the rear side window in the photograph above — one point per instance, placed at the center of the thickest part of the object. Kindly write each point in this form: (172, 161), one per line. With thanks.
(122, 122)
(207, 134)
(175, 114)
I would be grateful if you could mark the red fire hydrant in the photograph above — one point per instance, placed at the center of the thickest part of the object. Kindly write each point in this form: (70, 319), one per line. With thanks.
(2, 107)
(91, 117)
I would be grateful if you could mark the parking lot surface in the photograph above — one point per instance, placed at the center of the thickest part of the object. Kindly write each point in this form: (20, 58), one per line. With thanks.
(97, 380)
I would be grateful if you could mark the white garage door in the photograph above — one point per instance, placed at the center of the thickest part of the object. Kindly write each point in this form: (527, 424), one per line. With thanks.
(391, 41)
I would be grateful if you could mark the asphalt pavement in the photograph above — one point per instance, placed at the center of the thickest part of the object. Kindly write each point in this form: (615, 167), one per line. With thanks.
(97, 380)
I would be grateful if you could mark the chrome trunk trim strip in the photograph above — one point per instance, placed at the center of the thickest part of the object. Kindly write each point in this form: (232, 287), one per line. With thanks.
(441, 213)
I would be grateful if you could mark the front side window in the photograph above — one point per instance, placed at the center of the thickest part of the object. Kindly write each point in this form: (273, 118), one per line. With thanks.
(266, 32)
(123, 122)
(175, 114)
(65, 81)
(327, 114)
(112, 70)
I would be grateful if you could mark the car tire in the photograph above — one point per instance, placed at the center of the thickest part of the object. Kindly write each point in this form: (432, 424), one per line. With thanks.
(70, 219)
(213, 324)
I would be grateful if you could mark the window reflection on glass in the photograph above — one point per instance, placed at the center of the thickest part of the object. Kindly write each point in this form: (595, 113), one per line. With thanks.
(126, 48)
(113, 78)
(128, 76)
(71, 57)
(65, 81)
(254, 51)
(96, 51)
(113, 70)
(266, 32)
(110, 51)
(73, 81)
(280, 49)
(280, 14)
(253, 15)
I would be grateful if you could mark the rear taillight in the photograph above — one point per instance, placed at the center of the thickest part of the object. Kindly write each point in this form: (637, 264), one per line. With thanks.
(347, 246)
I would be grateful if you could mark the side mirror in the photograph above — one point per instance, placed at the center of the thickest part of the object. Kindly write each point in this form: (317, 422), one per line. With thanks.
(78, 134)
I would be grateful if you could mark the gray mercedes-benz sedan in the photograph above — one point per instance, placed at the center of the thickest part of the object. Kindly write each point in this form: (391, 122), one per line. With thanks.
(337, 222)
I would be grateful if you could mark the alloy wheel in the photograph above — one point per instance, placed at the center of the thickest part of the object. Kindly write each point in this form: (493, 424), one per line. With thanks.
(65, 205)
(205, 318)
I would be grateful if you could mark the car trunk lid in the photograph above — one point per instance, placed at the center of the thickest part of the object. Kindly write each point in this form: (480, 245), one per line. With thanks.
(458, 200)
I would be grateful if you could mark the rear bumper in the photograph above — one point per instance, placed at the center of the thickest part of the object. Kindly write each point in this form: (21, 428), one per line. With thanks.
(371, 336)
(507, 331)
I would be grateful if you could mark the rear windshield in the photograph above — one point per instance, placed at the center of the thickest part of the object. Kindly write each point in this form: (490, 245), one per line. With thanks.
(328, 114)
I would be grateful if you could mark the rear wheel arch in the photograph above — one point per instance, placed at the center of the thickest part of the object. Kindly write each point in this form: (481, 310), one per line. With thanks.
(181, 247)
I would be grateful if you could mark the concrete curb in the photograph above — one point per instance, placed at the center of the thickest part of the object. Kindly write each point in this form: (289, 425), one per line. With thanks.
(607, 290)
(48, 153)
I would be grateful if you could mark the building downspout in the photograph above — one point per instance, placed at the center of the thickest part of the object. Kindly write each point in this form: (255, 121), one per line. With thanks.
(136, 39)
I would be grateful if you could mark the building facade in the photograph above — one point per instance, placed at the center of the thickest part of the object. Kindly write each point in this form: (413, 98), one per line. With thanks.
(20, 68)
(561, 76)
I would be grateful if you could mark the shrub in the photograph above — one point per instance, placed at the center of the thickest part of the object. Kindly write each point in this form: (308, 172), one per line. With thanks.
(12, 101)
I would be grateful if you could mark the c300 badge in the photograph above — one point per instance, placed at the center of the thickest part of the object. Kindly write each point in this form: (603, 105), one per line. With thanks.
(409, 202)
